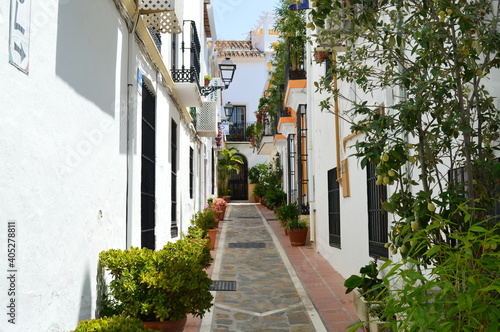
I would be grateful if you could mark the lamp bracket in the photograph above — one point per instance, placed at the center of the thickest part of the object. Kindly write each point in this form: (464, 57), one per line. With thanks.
(206, 90)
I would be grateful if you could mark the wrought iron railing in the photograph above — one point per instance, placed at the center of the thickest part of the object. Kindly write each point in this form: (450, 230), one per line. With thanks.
(238, 132)
(156, 38)
(186, 57)
(296, 62)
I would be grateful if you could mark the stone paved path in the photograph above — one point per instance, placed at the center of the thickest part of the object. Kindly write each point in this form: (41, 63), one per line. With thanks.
(269, 296)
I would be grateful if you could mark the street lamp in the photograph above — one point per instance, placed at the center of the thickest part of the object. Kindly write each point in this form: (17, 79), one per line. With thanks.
(228, 110)
(227, 69)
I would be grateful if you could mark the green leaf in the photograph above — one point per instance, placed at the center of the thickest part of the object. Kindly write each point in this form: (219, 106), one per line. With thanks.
(432, 250)
(478, 229)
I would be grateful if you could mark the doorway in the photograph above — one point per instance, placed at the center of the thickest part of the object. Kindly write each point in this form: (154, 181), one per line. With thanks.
(238, 182)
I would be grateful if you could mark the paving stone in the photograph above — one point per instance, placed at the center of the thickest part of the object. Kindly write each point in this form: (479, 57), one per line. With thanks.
(298, 318)
(263, 282)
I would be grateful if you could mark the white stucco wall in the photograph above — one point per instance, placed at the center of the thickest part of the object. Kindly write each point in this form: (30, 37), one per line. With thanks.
(67, 165)
(63, 175)
(247, 86)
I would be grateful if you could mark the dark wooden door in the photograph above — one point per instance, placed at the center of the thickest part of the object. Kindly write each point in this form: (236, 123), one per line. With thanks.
(238, 183)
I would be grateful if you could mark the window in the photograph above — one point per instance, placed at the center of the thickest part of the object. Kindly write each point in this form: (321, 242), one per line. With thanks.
(377, 218)
(302, 159)
(292, 174)
(213, 171)
(238, 127)
(174, 230)
(148, 168)
(457, 182)
(191, 171)
(334, 208)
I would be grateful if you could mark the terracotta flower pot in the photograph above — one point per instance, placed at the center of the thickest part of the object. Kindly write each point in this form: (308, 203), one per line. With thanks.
(212, 234)
(168, 326)
(283, 224)
(219, 215)
(320, 56)
(298, 237)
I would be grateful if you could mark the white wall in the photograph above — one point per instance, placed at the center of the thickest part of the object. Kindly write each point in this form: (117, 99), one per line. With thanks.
(247, 86)
(63, 175)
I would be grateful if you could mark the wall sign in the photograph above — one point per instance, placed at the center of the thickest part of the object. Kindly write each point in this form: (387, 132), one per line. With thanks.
(19, 36)
(224, 126)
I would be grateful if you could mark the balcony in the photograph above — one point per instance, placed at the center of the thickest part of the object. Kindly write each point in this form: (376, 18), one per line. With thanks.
(186, 65)
(296, 62)
(238, 132)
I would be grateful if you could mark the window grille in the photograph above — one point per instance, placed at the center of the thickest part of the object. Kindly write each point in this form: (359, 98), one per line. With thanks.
(333, 208)
(302, 155)
(148, 168)
(377, 217)
(174, 229)
(191, 171)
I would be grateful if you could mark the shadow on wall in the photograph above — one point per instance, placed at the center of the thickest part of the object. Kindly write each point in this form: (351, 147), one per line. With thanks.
(87, 50)
(86, 298)
(101, 290)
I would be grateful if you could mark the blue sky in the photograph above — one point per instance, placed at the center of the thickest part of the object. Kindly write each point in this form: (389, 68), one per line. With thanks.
(235, 18)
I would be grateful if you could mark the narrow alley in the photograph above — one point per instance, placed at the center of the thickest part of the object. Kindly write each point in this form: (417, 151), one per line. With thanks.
(272, 285)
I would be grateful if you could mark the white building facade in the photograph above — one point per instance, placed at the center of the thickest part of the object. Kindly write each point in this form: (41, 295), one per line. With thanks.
(252, 58)
(99, 143)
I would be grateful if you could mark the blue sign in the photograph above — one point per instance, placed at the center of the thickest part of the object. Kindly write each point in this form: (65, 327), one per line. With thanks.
(301, 4)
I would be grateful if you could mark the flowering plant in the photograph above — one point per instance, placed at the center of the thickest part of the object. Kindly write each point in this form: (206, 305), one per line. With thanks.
(219, 202)
(262, 115)
(213, 208)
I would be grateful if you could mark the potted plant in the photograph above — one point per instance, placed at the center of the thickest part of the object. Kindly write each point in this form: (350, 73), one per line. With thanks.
(196, 233)
(229, 161)
(160, 287)
(287, 212)
(297, 231)
(320, 56)
(112, 324)
(368, 289)
(207, 79)
(219, 205)
(275, 197)
(259, 191)
(206, 221)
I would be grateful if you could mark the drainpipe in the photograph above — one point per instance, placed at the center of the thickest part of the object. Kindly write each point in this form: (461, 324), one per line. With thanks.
(130, 108)
(337, 121)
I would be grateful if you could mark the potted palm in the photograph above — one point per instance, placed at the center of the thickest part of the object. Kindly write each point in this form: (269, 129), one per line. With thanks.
(229, 161)
(297, 231)
(160, 287)
(287, 212)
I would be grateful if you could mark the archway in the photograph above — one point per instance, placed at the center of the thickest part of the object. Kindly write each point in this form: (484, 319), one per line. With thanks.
(238, 183)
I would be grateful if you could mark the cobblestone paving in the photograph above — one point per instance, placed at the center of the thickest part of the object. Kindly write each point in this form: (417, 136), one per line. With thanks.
(265, 298)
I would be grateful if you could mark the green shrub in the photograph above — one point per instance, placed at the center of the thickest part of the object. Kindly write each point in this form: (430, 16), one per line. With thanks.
(370, 285)
(112, 324)
(166, 284)
(195, 232)
(256, 173)
(204, 219)
(287, 212)
(296, 223)
(275, 198)
(259, 190)
(460, 293)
